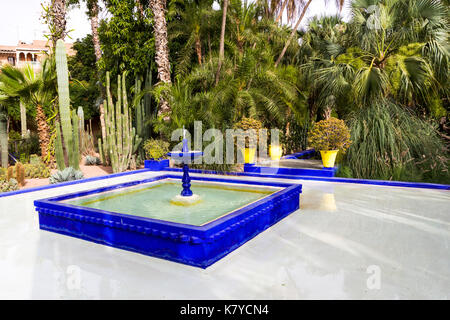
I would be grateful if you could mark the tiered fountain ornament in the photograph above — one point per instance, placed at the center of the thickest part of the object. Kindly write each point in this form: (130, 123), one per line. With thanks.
(187, 197)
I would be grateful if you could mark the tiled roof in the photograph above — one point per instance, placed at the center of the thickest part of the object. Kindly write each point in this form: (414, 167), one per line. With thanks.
(36, 45)
(7, 48)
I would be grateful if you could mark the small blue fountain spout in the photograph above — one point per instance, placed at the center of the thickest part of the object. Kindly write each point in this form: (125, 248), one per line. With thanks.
(184, 155)
(186, 180)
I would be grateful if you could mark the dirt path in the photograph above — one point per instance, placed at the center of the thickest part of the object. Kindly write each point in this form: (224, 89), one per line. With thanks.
(88, 172)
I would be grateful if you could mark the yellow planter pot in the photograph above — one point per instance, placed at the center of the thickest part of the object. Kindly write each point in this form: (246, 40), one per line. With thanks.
(328, 157)
(249, 155)
(275, 152)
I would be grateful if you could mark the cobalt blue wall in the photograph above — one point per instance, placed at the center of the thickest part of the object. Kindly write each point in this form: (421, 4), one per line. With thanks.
(324, 172)
(198, 246)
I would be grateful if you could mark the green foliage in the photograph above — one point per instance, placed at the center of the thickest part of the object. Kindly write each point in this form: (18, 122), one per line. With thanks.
(68, 174)
(35, 159)
(82, 66)
(127, 39)
(331, 134)
(344, 172)
(297, 139)
(156, 149)
(249, 124)
(389, 142)
(8, 185)
(14, 135)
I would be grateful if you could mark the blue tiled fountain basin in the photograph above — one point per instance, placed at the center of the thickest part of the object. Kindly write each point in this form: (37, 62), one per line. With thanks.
(198, 244)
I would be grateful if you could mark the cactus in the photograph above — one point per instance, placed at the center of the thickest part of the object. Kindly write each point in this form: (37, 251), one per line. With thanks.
(91, 161)
(59, 153)
(9, 185)
(69, 120)
(100, 151)
(20, 173)
(80, 114)
(10, 173)
(68, 174)
(36, 170)
(75, 154)
(3, 137)
(121, 139)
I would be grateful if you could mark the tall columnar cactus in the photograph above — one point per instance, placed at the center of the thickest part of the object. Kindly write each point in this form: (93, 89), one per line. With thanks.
(70, 146)
(3, 137)
(59, 153)
(75, 152)
(80, 114)
(121, 139)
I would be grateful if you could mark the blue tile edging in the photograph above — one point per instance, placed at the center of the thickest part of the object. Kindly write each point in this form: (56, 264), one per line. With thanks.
(199, 246)
(387, 183)
(324, 172)
(156, 165)
(68, 183)
(302, 154)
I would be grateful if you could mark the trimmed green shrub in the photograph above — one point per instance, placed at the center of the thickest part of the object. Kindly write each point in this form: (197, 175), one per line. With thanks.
(330, 134)
(156, 149)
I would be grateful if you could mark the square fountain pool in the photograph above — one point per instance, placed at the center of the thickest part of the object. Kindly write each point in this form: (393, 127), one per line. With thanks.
(139, 216)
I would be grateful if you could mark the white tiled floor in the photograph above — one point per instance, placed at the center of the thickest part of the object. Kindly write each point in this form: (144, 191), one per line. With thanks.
(335, 247)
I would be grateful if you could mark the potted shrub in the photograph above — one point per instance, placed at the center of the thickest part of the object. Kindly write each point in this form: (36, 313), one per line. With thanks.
(329, 137)
(156, 152)
(275, 151)
(246, 124)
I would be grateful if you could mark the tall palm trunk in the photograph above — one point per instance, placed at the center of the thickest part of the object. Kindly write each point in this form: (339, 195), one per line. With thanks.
(93, 15)
(198, 49)
(222, 40)
(43, 130)
(280, 14)
(294, 31)
(59, 20)
(162, 49)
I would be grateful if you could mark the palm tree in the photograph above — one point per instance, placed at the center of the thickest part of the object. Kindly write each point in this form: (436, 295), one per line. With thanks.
(58, 20)
(37, 89)
(93, 11)
(192, 27)
(158, 8)
(381, 57)
(305, 5)
(381, 70)
(222, 39)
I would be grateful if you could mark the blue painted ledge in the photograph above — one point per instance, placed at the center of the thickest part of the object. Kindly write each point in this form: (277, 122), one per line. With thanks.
(244, 174)
(156, 165)
(306, 154)
(324, 179)
(63, 184)
(324, 172)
